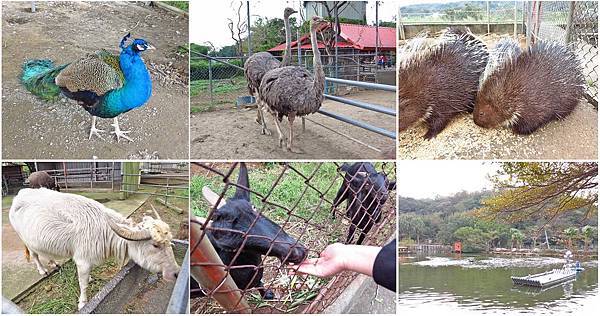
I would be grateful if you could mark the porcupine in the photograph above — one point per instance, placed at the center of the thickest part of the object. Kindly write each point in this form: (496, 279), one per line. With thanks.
(437, 83)
(527, 90)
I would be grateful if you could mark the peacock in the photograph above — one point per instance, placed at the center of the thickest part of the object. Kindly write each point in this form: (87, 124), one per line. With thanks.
(104, 84)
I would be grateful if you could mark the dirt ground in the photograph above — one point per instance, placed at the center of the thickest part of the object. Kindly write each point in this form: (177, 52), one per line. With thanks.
(231, 134)
(66, 31)
(575, 137)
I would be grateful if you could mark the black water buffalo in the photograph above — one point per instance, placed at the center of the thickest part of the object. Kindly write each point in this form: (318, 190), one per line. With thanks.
(365, 191)
(237, 228)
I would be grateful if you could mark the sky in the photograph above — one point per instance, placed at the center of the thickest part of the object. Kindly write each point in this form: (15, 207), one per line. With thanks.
(209, 22)
(427, 179)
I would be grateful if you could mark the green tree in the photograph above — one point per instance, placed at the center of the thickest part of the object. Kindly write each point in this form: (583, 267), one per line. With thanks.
(468, 11)
(410, 225)
(588, 234)
(202, 49)
(516, 236)
(570, 234)
(473, 239)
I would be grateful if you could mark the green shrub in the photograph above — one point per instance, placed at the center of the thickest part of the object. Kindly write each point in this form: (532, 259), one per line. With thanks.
(199, 69)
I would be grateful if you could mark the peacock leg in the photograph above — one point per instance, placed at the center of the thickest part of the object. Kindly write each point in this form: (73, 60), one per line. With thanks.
(119, 133)
(274, 113)
(94, 130)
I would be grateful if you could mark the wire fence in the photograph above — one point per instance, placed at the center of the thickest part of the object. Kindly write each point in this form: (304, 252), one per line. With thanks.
(476, 12)
(240, 260)
(219, 81)
(67, 175)
(574, 23)
(164, 180)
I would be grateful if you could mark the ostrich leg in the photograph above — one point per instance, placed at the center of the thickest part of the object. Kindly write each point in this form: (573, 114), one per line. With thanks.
(261, 116)
(278, 128)
(291, 117)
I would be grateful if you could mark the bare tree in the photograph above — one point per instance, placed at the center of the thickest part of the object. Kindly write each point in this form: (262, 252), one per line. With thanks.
(330, 36)
(238, 27)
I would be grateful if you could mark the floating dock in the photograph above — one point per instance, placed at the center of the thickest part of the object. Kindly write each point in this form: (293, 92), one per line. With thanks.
(547, 278)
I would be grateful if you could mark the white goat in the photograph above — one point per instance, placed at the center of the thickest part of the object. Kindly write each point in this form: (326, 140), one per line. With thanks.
(61, 225)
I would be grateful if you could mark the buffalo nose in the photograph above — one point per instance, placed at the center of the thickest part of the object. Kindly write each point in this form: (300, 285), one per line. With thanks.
(298, 255)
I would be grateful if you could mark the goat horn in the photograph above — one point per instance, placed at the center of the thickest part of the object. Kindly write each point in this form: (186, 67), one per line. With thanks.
(128, 233)
(155, 212)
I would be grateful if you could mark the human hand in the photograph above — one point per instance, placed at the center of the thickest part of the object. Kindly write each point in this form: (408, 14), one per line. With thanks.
(332, 261)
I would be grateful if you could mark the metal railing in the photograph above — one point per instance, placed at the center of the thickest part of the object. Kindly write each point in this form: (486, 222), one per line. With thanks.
(350, 102)
(485, 16)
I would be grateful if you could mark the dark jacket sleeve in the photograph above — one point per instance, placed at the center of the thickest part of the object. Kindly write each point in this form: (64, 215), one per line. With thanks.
(384, 269)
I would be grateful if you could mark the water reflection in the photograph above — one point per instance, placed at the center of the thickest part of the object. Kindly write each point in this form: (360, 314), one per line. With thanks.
(483, 284)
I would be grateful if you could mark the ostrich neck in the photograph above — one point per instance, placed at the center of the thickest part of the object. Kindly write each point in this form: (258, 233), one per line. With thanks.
(319, 77)
(287, 55)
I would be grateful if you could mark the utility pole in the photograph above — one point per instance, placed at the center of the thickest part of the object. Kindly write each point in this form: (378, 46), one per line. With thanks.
(376, 33)
(248, 26)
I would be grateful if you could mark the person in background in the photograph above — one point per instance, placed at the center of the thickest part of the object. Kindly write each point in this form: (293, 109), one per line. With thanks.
(377, 262)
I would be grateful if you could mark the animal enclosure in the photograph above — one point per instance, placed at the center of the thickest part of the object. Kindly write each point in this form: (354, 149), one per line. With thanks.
(158, 190)
(348, 78)
(570, 24)
(575, 24)
(298, 199)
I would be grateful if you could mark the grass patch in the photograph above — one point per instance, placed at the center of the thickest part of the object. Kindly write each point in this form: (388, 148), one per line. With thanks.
(7, 201)
(288, 192)
(219, 86)
(59, 293)
(201, 108)
(224, 94)
(181, 5)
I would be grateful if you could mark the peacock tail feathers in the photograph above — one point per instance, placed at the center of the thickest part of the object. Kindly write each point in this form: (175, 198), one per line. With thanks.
(38, 78)
(107, 74)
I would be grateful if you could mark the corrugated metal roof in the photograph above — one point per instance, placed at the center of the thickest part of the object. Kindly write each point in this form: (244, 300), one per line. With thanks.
(361, 37)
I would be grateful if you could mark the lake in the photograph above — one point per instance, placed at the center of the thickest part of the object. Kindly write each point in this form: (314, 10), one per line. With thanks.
(465, 285)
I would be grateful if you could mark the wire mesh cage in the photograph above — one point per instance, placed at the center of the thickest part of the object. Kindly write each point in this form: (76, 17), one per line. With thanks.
(240, 249)
(461, 12)
(216, 81)
(574, 23)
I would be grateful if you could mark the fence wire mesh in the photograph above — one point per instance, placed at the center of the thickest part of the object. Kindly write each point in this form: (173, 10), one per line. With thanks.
(463, 12)
(218, 81)
(299, 199)
(574, 23)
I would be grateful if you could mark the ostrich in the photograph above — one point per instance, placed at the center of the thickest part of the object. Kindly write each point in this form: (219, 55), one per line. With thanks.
(293, 91)
(258, 64)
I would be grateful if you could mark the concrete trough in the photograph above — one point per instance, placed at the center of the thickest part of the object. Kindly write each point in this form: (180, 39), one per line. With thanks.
(135, 290)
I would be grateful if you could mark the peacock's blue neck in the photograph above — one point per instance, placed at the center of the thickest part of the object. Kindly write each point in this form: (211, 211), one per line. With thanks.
(138, 86)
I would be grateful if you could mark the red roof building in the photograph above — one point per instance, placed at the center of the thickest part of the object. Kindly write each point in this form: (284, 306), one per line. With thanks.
(358, 37)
